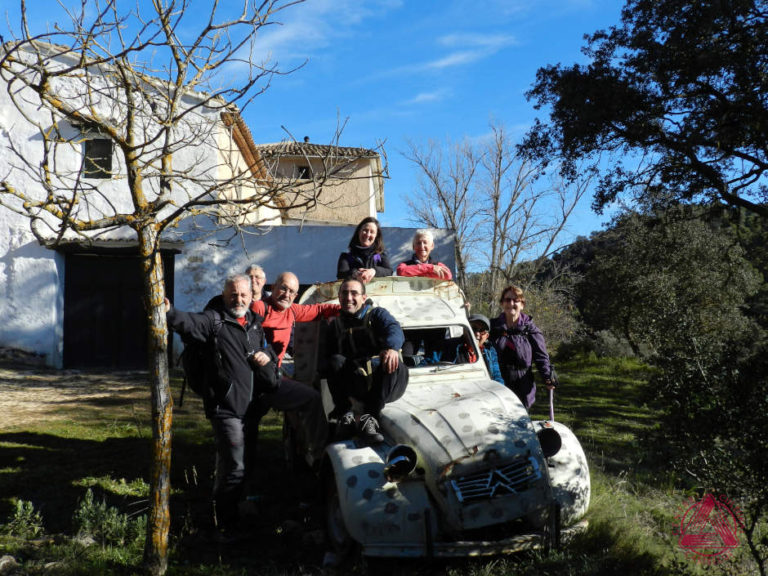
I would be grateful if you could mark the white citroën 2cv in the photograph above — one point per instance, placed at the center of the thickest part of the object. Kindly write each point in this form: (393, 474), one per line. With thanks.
(463, 470)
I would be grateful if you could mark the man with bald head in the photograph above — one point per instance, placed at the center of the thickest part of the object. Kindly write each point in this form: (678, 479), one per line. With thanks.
(280, 313)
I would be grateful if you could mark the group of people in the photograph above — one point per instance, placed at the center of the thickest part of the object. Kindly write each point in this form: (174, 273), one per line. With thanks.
(247, 332)
(511, 344)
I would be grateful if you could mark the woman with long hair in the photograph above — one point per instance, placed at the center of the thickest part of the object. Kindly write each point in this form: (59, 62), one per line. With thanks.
(366, 256)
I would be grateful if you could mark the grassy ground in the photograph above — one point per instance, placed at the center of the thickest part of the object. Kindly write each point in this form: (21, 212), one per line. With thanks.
(102, 444)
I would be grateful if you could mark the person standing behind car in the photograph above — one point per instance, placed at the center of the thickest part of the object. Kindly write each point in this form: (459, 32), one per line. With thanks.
(481, 327)
(366, 258)
(281, 313)
(520, 344)
(363, 362)
(240, 367)
(422, 264)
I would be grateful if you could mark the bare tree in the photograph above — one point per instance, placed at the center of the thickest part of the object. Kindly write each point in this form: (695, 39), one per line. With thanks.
(164, 87)
(446, 195)
(499, 206)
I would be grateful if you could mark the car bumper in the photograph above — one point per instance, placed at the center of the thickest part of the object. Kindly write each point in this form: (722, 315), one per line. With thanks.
(467, 549)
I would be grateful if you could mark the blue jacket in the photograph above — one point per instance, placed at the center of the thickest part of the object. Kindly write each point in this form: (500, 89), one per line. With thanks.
(385, 331)
(492, 362)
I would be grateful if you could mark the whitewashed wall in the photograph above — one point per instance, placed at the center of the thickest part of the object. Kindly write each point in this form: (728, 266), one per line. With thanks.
(311, 252)
(32, 290)
(32, 277)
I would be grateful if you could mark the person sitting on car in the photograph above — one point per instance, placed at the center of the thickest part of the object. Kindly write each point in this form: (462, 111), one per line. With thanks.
(422, 264)
(366, 257)
(363, 363)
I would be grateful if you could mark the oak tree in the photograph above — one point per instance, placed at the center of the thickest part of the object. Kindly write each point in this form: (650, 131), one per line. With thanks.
(669, 107)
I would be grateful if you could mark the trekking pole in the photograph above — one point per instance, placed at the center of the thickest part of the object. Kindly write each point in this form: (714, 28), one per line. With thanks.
(551, 405)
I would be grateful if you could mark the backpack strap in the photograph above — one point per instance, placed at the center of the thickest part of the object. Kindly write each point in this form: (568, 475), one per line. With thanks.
(349, 334)
(218, 322)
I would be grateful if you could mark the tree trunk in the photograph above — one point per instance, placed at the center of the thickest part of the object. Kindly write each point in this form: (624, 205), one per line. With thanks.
(158, 524)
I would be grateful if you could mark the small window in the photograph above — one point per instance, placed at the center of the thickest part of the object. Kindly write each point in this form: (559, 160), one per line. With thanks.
(98, 158)
(303, 172)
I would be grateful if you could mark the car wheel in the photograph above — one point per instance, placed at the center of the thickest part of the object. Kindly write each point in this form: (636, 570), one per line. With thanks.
(338, 536)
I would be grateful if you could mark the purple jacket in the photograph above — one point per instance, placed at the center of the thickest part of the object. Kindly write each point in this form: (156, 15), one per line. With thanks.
(519, 347)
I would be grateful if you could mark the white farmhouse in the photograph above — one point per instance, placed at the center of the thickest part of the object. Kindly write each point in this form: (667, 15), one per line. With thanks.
(73, 297)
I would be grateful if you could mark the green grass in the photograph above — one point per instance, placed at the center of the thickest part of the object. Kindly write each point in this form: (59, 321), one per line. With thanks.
(52, 464)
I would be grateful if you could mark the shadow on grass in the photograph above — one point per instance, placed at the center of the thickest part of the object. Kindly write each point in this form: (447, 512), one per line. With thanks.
(46, 470)
(278, 526)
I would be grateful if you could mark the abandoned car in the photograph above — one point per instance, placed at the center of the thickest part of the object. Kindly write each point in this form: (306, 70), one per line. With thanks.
(463, 470)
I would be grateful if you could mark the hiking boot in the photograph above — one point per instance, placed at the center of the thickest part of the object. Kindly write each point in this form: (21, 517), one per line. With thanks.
(346, 427)
(369, 429)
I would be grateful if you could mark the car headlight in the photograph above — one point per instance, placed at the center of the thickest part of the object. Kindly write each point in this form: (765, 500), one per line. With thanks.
(400, 462)
(549, 439)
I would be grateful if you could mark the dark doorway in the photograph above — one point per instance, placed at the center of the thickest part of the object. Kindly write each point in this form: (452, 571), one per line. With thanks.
(104, 321)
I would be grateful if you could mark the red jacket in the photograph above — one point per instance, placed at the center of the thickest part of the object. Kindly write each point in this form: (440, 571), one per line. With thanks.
(278, 324)
(413, 267)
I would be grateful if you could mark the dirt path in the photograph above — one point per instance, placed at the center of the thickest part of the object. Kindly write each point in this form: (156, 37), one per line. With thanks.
(31, 394)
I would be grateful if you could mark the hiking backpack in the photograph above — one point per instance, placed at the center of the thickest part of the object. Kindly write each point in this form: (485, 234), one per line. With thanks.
(196, 362)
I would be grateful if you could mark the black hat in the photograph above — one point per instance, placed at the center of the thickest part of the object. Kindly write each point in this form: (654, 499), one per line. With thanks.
(482, 319)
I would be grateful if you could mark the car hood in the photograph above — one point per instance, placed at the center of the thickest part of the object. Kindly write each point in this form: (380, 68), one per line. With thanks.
(460, 426)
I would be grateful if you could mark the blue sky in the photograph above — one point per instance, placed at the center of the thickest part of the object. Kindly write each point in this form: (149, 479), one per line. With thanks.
(400, 70)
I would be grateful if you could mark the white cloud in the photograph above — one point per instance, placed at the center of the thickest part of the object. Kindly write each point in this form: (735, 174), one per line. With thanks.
(469, 48)
(490, 41)
(317, 24)
(451, 60)
(424, 97)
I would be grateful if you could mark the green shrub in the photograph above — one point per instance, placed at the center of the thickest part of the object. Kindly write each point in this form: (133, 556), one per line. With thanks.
(601, 344)
(105, 524)
(26, 521)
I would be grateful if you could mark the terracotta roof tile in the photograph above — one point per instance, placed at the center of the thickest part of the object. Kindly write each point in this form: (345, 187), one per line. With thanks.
(290, 148)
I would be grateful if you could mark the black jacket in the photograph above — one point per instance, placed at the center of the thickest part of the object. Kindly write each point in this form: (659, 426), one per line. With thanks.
(357, 257)
(233, 384)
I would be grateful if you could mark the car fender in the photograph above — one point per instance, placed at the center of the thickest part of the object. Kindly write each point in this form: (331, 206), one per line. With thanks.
(569, 475)
(376, 510)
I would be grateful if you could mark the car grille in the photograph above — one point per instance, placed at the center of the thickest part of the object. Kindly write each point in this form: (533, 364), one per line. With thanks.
(498, 481)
